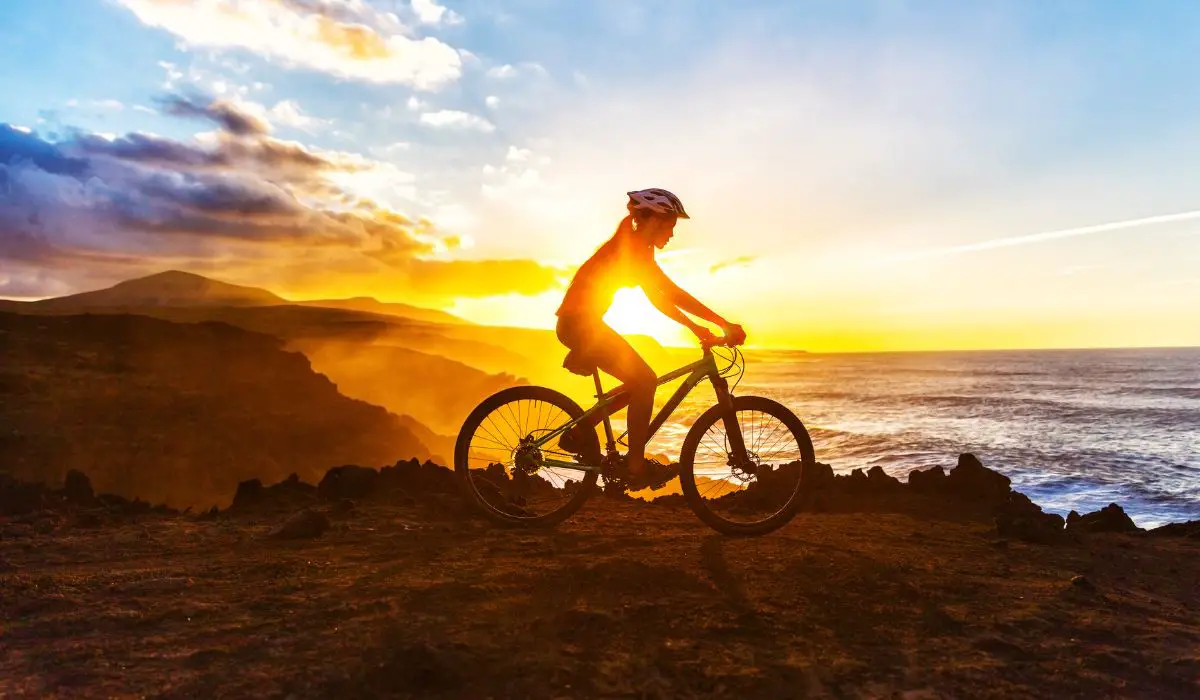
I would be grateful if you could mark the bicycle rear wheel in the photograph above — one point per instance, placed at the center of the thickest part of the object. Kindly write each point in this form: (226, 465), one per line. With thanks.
(501, 472)
(751, 494)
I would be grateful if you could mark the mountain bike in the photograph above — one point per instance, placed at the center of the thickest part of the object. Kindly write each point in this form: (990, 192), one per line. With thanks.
(740, 466)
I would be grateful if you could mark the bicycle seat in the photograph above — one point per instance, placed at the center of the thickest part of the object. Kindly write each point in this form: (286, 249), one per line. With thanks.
(578, 362)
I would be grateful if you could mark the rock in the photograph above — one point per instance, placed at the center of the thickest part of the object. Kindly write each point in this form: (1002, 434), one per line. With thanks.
(1044, 528)
(1189, 529)
(77, 488)
(342, 507)
(855, 482)
(1082, 581)
(87, 520)
(44, 526)
(1110, 518)
(1072, 517)
(1021, 518)
(307, 524)
(932, 480)
(816, 477)
(972, 480)
(249, 493)
(112, 501)
(412, 476)
(879, 480)
(348, 482)
(18, 497)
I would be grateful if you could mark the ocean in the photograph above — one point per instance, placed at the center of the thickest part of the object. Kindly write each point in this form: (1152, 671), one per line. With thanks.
(1074, 429)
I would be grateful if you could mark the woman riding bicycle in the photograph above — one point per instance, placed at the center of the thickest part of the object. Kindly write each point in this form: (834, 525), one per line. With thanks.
(627, 260)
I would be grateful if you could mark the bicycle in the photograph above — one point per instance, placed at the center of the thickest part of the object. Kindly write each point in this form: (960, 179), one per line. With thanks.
(747, 481)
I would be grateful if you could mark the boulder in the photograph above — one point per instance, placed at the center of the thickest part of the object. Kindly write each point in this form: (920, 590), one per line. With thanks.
(932, 480)
(77, 488)
(854, 482)
(249, 493)
(350, 481)
(413, 477)
(1022, 519)
(1189, 529)
(307, 524)
(879, 480)
(18, 497)
(970, 479)
(816, 476)
(1110, 518)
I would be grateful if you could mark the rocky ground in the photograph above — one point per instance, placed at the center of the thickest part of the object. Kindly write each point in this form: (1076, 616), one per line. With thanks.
(380, 585)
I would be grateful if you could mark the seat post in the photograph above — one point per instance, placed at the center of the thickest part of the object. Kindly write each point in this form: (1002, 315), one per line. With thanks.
(610, 442)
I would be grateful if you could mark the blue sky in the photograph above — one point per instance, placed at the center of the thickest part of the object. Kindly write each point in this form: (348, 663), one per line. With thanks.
(860, 161)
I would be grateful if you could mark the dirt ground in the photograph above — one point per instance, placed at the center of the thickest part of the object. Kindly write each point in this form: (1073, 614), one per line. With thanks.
(624, 600)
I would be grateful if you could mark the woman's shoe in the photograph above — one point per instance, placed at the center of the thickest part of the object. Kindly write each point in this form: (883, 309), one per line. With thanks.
(576, 441)
(653, 475)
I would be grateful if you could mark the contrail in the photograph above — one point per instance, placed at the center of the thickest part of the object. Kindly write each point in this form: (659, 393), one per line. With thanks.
(1040, 237)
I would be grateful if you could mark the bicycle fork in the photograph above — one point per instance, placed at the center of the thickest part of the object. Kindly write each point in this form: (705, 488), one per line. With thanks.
(733, 431)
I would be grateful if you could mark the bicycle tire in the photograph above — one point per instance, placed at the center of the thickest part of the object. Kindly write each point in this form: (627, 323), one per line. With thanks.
(687, 476)
(462, 466)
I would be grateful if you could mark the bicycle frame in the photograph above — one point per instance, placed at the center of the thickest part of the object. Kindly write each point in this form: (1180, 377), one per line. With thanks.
(693, 374)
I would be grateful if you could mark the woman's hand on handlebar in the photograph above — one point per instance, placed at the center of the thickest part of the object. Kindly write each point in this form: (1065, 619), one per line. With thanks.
(704, 335)
(734, 335)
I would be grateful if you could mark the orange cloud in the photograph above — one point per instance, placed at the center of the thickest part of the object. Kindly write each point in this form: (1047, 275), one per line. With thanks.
(349, 40)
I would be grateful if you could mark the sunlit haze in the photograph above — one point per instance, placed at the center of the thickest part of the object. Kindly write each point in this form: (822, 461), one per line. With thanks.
(860, 176)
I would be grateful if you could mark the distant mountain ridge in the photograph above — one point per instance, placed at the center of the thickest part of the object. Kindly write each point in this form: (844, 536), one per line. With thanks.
(176, 288)
(170, 288)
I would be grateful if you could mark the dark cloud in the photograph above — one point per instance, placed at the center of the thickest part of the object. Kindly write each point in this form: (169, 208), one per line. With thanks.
(225, 114)
(99, 209)
(17, 146)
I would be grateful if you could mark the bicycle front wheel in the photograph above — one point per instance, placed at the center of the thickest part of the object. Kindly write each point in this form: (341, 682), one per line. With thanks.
(753, 493)
(503, 474)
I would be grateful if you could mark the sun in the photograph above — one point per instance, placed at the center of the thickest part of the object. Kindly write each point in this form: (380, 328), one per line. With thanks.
(631, 312)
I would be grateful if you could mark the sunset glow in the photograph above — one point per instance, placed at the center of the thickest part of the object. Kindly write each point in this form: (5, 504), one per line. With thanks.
(902, 180)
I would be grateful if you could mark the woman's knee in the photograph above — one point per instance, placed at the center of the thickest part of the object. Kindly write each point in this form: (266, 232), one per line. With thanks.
(642, 378)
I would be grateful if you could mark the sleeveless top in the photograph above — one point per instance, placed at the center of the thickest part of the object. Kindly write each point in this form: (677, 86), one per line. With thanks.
(620, 262)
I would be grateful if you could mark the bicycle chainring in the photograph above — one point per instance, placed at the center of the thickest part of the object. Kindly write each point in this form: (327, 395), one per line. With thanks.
(616, 480)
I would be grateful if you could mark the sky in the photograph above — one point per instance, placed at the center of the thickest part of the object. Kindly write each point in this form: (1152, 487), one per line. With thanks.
(882, 175)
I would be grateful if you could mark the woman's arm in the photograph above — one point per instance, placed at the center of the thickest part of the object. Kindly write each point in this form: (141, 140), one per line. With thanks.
(670, 294)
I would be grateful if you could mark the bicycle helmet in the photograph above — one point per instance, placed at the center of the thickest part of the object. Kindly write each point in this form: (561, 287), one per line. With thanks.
(656, 201)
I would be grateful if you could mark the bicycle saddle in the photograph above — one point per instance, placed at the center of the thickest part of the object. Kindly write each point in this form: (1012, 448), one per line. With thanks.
(578, 362)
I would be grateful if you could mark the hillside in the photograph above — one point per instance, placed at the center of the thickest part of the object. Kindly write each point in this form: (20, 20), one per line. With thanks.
(439, 391)
(171, 288)
(175, 412)
(374, 306)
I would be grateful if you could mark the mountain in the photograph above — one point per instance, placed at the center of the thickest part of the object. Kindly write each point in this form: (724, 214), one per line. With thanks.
(176, 412)
(372, 305)
(175, 288)
(440, 392)
(171, 288)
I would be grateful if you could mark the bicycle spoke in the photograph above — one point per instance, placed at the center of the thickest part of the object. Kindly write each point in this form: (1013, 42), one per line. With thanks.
(746, 493)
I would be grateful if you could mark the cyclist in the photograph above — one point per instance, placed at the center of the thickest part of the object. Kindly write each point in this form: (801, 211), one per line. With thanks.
(627, 260)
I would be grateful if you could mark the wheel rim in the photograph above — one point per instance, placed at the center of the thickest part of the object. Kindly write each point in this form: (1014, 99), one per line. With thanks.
(506, 470)
(757, 487)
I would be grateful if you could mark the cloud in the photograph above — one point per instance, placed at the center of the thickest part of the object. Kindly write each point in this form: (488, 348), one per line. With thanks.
(228, 115)
(455, 119)
(492, 101)
(429, 12)
(740, 261)
(346, 39)
(288, 113)
(1042, 237)
(88, 211)
(504, 71)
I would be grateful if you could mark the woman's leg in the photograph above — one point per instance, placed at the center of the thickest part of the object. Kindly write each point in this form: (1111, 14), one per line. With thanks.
(616, 356)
